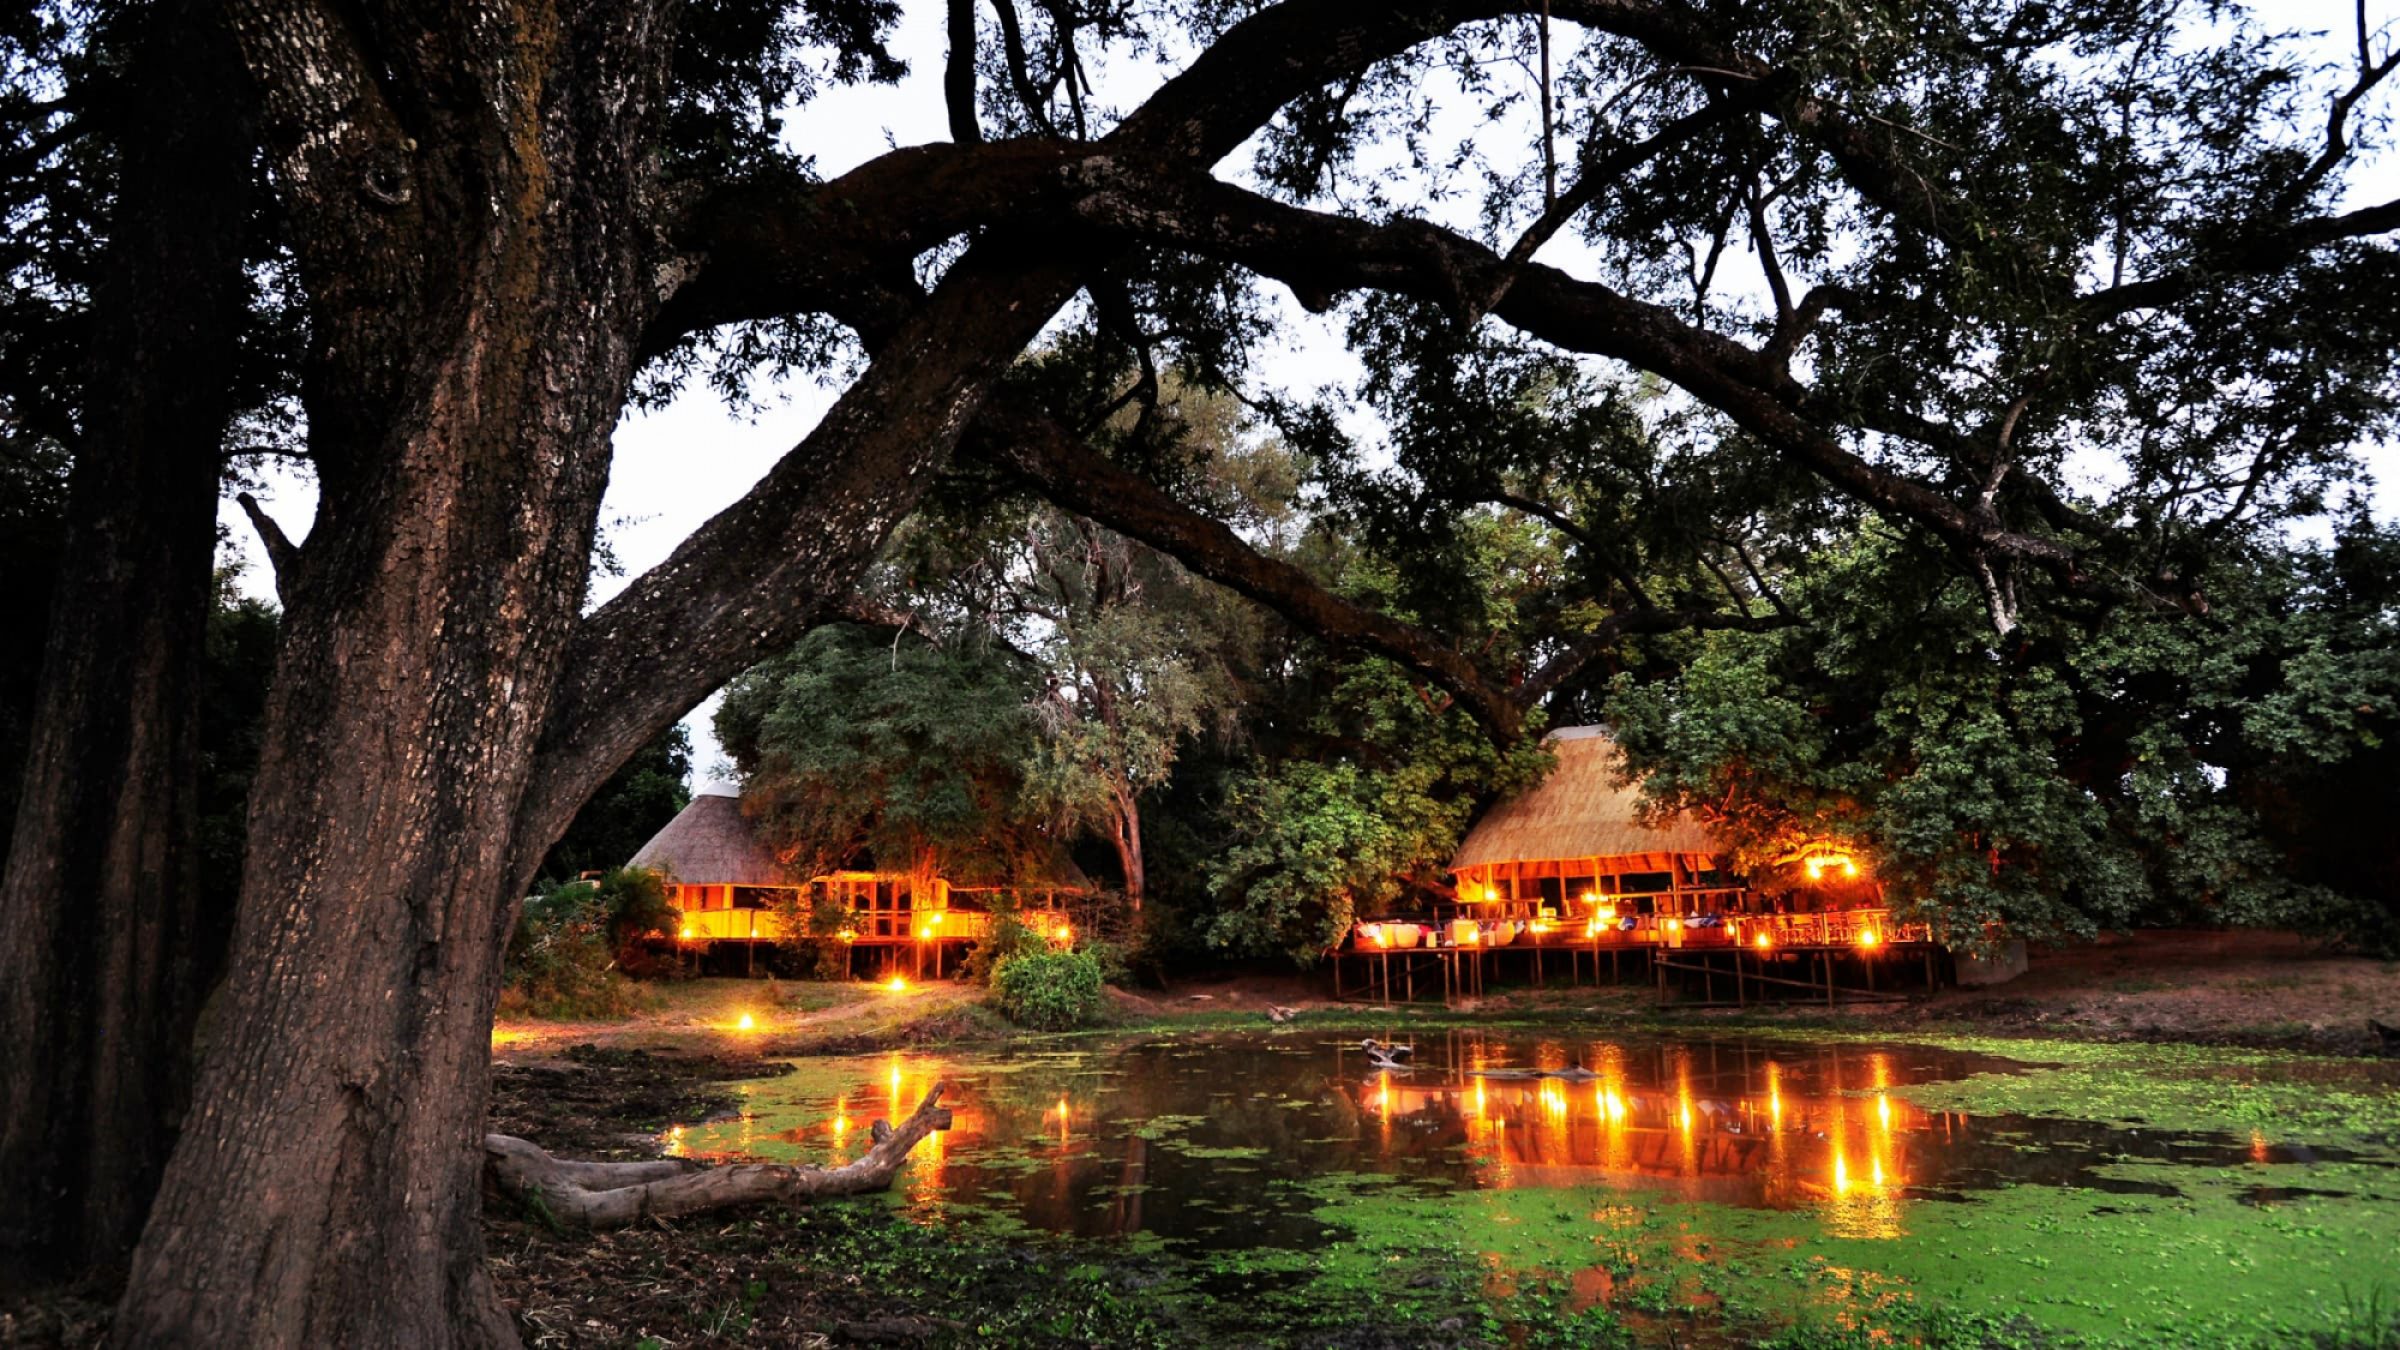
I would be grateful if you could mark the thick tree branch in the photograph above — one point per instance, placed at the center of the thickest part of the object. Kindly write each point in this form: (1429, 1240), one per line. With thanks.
(958, 77)
(1018, 438)
(283, 557)
(757, 575)
(1020, 74)
(1319, 254)
(2256, 252)
(760, 572)
(1630, 623)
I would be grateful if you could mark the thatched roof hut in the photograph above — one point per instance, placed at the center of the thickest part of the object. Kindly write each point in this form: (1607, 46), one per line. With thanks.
(1578, 841)
(710, 843)
(1584, 809)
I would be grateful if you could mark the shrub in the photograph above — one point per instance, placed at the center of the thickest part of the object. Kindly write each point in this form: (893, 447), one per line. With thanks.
(1005, 938)
(562, 957)
(639, 917)
(810, 922)
(1052, 991)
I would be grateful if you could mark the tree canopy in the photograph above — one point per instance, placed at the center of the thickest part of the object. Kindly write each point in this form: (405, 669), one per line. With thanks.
(1931, 404)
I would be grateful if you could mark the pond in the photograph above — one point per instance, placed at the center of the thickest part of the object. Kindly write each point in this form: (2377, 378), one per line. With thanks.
(1631, 1172)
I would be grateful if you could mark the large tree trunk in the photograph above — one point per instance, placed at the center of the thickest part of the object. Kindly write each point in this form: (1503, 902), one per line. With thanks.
(102, 932)
(469, 359)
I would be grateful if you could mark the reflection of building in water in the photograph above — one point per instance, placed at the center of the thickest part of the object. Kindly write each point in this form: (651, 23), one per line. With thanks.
(1237, 1142)
(1735, 1133)
(1186, 1142)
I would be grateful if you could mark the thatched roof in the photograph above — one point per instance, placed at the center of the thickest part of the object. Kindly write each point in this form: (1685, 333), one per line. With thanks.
(710, 843)
(1584, 809)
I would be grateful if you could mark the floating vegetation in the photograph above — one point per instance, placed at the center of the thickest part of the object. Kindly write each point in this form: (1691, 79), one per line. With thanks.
(1797, 1187)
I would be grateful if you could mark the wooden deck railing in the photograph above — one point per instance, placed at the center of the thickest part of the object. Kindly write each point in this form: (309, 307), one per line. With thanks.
(1837, 928)
(866, 927)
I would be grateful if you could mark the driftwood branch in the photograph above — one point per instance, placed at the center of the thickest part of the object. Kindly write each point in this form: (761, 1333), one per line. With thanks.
(613, 1195)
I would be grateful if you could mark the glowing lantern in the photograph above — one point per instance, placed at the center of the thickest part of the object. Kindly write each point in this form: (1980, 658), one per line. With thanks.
(1764, 940)
(1591, 898)
(925, 933)
(847, 935)
(1674, 925)
(1605, 913)
(896, 984)
(748, 1023)
(1868, 937)
(688, 933)
(1065, 934)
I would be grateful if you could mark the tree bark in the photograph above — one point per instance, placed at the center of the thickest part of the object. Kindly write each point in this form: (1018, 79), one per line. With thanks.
(108, 949)
(474, 290)
(1127, 835)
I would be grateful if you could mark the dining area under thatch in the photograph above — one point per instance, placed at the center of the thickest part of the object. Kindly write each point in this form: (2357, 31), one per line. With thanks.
(1574, 873)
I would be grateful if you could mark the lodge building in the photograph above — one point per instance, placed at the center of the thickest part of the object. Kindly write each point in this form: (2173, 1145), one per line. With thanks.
(730, 888)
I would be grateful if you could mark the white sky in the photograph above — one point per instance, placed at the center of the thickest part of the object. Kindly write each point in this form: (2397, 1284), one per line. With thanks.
(679, 465)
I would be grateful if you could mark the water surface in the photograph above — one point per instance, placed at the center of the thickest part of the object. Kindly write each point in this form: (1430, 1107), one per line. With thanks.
(1223, 1141)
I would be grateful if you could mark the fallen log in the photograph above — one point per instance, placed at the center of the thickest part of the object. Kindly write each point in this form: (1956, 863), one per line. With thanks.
(612, 1195)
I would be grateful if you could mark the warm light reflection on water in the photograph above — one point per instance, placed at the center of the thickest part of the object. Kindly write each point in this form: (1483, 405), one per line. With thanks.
(1214, 1141)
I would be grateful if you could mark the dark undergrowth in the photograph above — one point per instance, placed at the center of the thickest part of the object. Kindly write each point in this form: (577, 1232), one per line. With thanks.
(856, 1273)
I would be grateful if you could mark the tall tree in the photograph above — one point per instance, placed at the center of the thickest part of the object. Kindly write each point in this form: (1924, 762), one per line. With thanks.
(110, 940)
(905, 748)
(1130, 675)
(1984, 234)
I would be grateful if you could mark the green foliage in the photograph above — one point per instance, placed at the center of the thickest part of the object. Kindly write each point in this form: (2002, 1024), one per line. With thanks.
(906, 751)
(239, 664)
(1050, 991)
(1319, 842)
(574, 944)
(1005, 938)
(1360, 808)
(635, 803)
(2079, 775)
